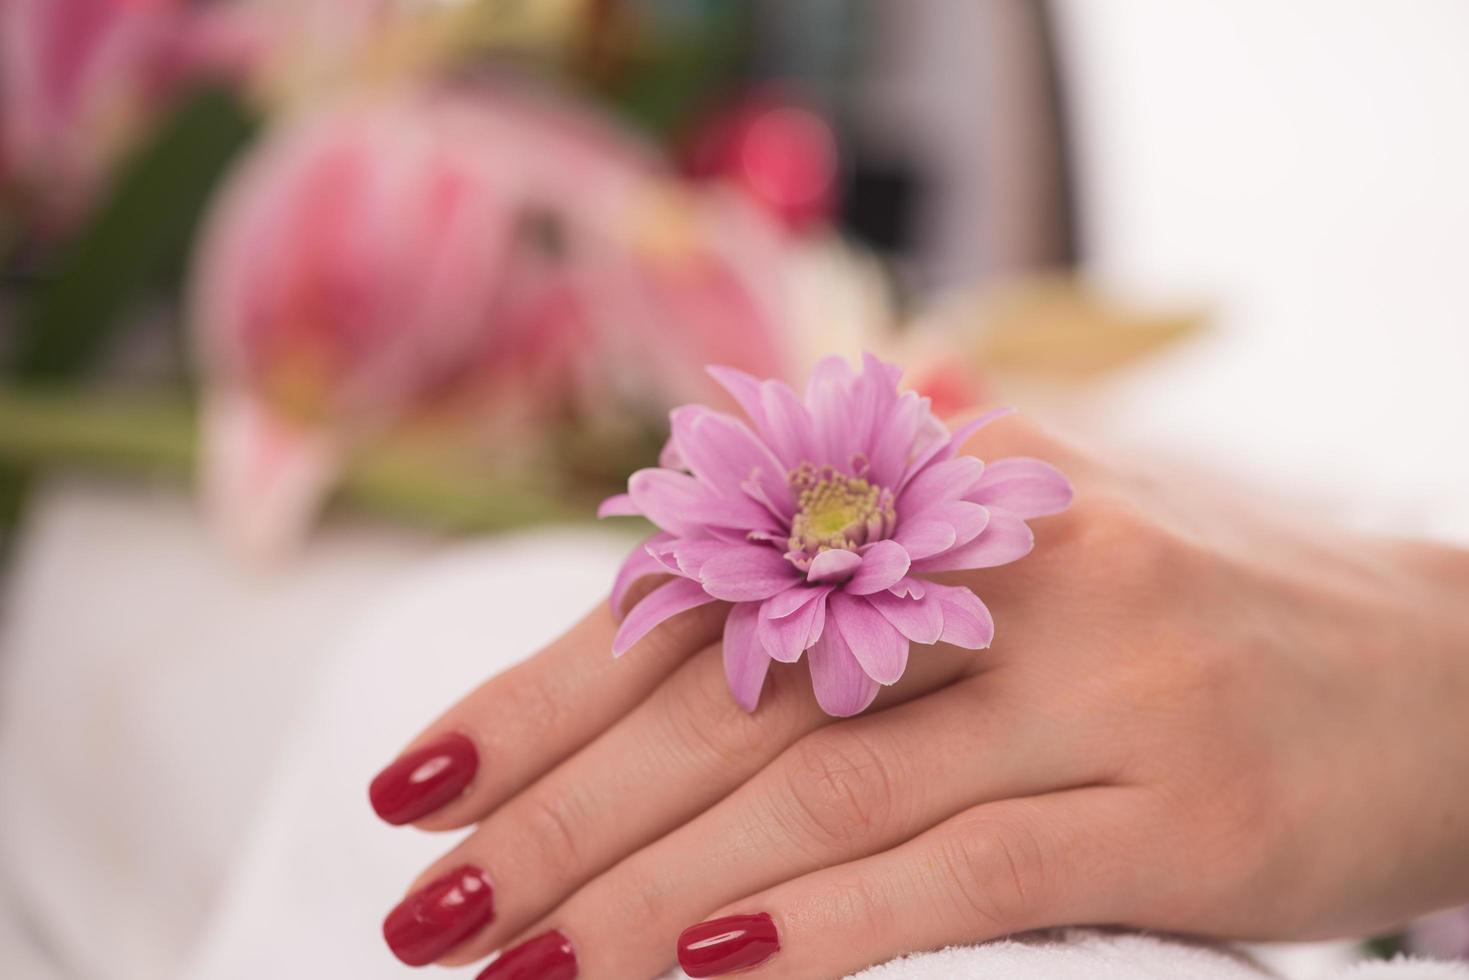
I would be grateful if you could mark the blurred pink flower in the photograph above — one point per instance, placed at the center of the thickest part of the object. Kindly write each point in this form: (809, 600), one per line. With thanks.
(821, 520)
(379, 257)
(775, 149)
(80, 79)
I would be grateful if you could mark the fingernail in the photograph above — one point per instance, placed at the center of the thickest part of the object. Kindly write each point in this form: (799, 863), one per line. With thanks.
(720, 946)
(424, 780)
(548, 956)
(440, 916)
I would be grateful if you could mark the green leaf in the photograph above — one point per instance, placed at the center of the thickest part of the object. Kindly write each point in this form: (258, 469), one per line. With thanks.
(142, 232)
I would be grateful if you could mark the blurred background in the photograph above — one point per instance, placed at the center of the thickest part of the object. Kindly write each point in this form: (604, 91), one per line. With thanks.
(310, 305)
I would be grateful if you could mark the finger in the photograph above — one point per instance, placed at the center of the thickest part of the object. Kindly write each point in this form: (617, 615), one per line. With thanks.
(679, 752)
(840, 793)
(519, 724)
(996, 869)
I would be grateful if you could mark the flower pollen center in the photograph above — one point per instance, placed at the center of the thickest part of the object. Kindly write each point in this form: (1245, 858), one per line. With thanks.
(834, 510)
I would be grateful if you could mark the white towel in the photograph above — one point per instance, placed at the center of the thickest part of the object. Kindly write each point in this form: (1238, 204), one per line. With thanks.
(1080, 954)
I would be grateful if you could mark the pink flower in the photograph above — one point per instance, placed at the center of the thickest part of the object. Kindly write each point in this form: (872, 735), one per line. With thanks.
(819, 521)
(80, 80)
(496, 253)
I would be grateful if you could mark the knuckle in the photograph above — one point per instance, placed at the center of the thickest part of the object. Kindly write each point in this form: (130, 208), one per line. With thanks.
(535, 696)
(839, 788)
(1125, 547)
(551, 825)
(999, 872)
(860, 903)
(703, 718)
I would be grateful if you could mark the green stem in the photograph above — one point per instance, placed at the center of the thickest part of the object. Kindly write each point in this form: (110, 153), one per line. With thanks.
(40, 428)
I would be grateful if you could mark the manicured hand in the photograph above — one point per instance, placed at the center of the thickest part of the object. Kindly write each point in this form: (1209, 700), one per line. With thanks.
(1198, 714)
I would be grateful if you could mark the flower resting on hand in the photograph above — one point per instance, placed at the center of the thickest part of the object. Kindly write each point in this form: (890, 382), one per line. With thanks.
(819, 520)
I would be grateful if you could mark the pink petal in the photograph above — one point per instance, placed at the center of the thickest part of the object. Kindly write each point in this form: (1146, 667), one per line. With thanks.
(1025, 487)
(922, 538)
(892, 443)
(841, 686)
(788, 429)
(967, 519)
(618, 505)
(919, 619)
(640, 562)
(1005, 539)
(967, 621)
(951, 479)
(723, 453)
(745, 661)
(833, 564)
(949, 448)
(875, 643)
(690, 554)
(663, 603)
(743, 388)
(962, 434)
(746, 573)
(883, 564)
(786, 636)
(741, 514)
(666, 498)
(787, 602)
(829, 402)
(908, 586)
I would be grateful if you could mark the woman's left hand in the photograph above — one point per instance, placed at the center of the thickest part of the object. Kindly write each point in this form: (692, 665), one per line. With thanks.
(1195, 716)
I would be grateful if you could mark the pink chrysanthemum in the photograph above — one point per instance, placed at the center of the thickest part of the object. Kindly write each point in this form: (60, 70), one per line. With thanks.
(819, 524)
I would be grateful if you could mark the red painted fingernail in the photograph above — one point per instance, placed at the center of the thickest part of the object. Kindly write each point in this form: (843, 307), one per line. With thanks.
(440, 916)
(423, 780)
(548, 956)
(720, 946)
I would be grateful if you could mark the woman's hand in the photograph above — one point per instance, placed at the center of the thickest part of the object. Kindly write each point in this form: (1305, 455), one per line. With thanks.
(1196, 716)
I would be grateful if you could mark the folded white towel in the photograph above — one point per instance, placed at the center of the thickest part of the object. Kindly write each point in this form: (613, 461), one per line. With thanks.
(1080, 954)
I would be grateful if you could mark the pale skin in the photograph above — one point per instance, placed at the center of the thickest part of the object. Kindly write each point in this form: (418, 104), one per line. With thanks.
(1197, 716)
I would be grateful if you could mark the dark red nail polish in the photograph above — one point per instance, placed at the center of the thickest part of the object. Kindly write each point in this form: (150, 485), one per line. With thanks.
(440, 916)
(424, 780)
(720, 946)
(548, 956)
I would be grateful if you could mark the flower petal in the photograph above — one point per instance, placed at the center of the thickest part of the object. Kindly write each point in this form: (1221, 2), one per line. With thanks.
(967, 519)
(967, 621)
(841, 686)
(883, 564)
(1004, 539)
(786, 637)
(690, 554)
(747, 572)
(920, 619)
(640, 562)
(833, 564)
(1023, 486)
(723, 454)
(618, 505)
(909, 586)
(922, 538)
(875, 643)
(664, 602)
(743, 388)
(951, 479)
(829, 402)
(892, 442)
(745, 660)
(788, 430)
(666, 498)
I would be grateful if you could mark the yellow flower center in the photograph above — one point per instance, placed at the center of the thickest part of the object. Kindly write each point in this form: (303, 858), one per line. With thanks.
(834, 510)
